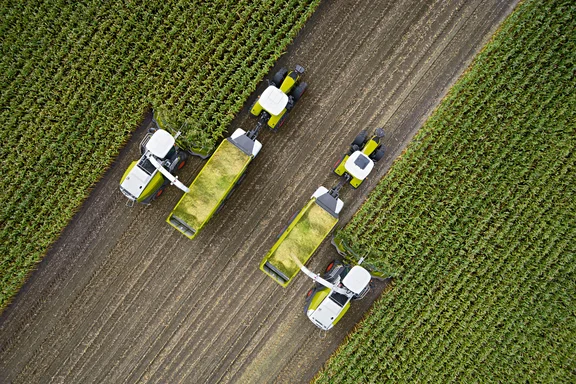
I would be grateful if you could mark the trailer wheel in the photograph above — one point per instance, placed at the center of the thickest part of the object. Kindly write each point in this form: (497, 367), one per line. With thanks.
(241, 179)
(287, 225)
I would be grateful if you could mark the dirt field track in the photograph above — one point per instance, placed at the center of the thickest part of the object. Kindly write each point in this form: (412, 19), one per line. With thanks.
(122, 297)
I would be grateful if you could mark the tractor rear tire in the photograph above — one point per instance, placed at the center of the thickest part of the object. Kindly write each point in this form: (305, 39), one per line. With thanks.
(378, 155)
(360, 139)
(299, 91)
(281, 122)
(159, 192)
(279, 77)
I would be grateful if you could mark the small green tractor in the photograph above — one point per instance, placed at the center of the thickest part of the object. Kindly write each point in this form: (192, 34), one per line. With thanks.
(364, 151)
(275, 103)
(146, 178)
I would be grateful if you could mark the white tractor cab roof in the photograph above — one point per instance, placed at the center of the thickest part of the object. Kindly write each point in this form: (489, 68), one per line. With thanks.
(273, 100)
(359, 165)
(160, 143)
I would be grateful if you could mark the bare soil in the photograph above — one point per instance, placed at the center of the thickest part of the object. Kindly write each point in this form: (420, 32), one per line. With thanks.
(123, 297)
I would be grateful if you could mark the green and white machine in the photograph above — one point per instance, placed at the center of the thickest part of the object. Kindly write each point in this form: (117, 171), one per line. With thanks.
(275, 103)
(308, 228)
(208, 192)
(226, 168)
(329, 299)
(357, 164)
(146, 178)
(302, 236)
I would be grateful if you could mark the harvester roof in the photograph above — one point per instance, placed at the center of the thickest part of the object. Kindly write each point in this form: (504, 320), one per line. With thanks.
(160, 143)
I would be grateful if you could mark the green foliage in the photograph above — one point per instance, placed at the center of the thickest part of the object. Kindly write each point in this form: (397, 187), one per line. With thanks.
(77, 78)
(478, 219)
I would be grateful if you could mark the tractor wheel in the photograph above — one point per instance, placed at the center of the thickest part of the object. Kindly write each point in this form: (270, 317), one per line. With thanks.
(330, 266)
(279, 77)
(299, 91)
(281, 122)
(159, 192)
(219, 208)
(360, 139)
(379, 154)
(182, 162)
(241, 179)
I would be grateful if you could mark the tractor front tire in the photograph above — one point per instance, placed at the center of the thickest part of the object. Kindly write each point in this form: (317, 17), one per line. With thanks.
(330, 266)
(182, 162)
(159, 192)
(360, 139)
(279, 77)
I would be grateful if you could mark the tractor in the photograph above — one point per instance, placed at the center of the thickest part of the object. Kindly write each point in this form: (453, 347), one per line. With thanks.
(329, 299)
(274, 104)
(146, 178)
(357, 164)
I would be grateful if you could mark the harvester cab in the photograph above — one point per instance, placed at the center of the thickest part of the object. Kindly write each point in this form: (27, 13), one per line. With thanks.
(329, 299)
(364, 151)
(146, 178)
(274, 104)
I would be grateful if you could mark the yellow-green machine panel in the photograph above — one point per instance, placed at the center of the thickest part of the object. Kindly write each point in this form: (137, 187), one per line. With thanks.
(299, 241)
(209, 188)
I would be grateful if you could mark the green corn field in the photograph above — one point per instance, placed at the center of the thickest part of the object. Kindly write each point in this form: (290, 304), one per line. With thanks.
(77, 78)
(478, 221)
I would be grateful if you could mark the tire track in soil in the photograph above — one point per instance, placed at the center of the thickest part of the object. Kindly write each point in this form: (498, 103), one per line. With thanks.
(154, 306)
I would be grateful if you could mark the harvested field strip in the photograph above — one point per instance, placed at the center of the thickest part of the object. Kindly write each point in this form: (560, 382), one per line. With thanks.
(478, 221)
(78, 77)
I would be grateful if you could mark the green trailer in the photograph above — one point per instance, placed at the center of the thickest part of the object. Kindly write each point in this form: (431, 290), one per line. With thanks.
(302, 236)
(215, 182)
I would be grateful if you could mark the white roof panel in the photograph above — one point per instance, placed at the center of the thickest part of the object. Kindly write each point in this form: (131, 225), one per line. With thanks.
(359, 165)
(160, 143)
(273, 100)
